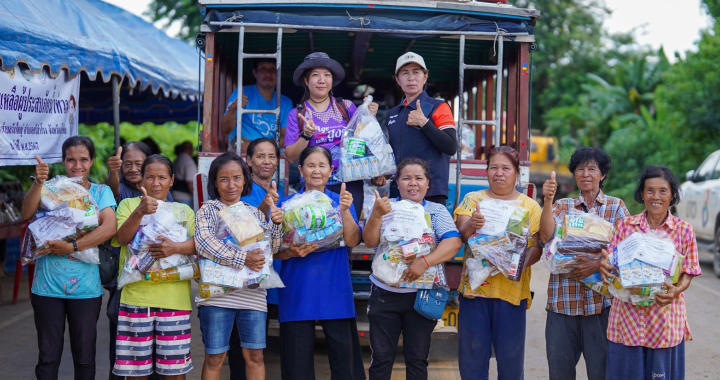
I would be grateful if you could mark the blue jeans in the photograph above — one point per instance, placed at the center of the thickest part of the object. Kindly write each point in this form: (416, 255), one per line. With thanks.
(486, 323)
(216, 324)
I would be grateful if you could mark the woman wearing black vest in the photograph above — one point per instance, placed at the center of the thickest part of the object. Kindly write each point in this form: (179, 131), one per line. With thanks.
(421, 126)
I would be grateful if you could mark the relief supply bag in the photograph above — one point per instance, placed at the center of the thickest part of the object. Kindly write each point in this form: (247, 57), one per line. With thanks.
(406, 234)
(504, 237)
(365, 150)
(312, 218)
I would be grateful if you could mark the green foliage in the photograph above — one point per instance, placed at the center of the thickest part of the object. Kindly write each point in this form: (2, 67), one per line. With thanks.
(103, 135)
(184, 11)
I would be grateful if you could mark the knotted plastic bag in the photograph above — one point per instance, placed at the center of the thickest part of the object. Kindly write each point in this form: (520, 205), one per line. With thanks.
(365, 150)
(312, 218)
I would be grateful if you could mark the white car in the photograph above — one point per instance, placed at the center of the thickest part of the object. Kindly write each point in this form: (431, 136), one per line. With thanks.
(700, 205)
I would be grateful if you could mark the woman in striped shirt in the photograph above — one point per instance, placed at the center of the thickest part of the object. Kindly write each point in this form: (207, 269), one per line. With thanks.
(648, 342)
(228, 180)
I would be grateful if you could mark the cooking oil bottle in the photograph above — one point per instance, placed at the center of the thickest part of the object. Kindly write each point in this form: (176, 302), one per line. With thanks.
(183, 272)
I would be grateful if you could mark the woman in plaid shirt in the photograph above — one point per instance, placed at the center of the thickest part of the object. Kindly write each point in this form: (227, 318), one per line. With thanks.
(577, 317)
(648, 342)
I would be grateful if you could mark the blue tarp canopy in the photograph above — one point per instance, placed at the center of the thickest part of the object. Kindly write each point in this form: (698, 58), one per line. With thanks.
(99, 39)
(452, 22)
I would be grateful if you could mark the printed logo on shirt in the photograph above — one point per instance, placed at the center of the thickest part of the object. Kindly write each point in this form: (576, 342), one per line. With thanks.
(391, 121)
(658, 375)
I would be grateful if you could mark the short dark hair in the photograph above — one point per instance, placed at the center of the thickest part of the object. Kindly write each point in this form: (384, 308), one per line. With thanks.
(312, 149)
(658, 171)
(415, 161)
(586, 155)
(157, 159)
(508, 152)
(139, 145)
(256, 142)
(218, 164)
(258, 61)
(78, 141)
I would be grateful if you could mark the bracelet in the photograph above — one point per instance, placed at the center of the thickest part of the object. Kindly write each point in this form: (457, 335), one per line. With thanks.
(302, 135)
(425, 260)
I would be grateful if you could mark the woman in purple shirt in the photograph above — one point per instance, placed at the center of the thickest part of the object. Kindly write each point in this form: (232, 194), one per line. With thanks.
(322, 117)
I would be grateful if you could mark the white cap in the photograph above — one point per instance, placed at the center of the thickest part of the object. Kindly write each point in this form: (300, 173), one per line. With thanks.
(409, 57)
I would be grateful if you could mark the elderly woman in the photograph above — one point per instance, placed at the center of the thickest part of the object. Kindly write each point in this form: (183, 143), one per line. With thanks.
(421, 126)
(318, 287)
(322, 118)
(577, 317)
(66, 289)
(493, 315)
(228, 180)
(147, 308)
(391, 309)
(648, 342)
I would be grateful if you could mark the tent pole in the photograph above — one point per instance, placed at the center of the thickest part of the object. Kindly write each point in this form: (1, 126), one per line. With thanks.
(116, 109)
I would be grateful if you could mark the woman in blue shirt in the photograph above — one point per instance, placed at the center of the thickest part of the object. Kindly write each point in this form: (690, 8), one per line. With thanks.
(318, 287)
(65, 288)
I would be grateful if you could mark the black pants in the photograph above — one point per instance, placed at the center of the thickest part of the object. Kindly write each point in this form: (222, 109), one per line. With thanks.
(82, 316)
(356, 189)
(566, 337)
(296, 344)
(390, 314)
(236, 360)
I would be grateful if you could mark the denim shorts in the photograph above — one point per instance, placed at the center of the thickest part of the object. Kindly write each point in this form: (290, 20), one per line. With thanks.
(216, 325)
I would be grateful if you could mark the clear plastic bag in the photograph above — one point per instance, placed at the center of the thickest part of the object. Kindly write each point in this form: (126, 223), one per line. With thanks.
(170, 221)
(239, 223)
(405, 234)
(581, 234)
(365, 150)
(644, 262)
(310, 217)
(67, 211)
(478, 271)
(504, 238)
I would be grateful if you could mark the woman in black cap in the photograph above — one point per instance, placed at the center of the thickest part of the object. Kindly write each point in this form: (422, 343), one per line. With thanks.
(321, 118)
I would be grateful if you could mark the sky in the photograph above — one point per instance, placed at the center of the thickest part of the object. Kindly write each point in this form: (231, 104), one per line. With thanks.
(657, 22)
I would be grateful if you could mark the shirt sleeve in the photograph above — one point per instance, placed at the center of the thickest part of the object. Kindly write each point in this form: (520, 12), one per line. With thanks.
(443, 225)
(285, 107)
(617, 237)
(443, 117)
(191, 220)
(107, 199)
(209, 246)
(292, 131)
(467, 206)
(351, 108)
(622, 211)
(126, 207)
(691, 264)
(535, 212)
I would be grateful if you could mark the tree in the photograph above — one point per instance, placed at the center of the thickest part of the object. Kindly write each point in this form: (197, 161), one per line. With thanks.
(186, 12)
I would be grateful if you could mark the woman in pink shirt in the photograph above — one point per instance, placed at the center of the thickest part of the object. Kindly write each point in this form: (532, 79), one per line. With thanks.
(648, 342)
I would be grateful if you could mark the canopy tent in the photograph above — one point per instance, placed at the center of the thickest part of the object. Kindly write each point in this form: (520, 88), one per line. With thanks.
(157, 75)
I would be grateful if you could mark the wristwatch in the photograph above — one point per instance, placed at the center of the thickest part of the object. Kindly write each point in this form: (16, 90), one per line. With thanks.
(74, 243)
(302, 135)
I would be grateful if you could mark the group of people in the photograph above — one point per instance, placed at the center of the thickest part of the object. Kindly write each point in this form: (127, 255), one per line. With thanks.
(151, 329)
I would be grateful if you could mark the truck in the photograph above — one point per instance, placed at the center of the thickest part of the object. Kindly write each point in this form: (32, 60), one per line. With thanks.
(479, 55)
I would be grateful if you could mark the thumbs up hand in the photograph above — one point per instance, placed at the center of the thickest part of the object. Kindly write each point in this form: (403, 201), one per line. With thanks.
(148, 205)
(382, 205)
(346, 198)
(115, 162)
(276, 214)
(416, 117)
(477, 221)
(42, 171)
(550, 188)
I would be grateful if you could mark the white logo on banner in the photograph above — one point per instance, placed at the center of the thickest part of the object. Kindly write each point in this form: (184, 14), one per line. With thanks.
(37, 114)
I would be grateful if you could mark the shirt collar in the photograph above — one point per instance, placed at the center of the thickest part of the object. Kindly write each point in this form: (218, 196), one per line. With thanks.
(641, 220)
(601, 199)
(413, 104)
